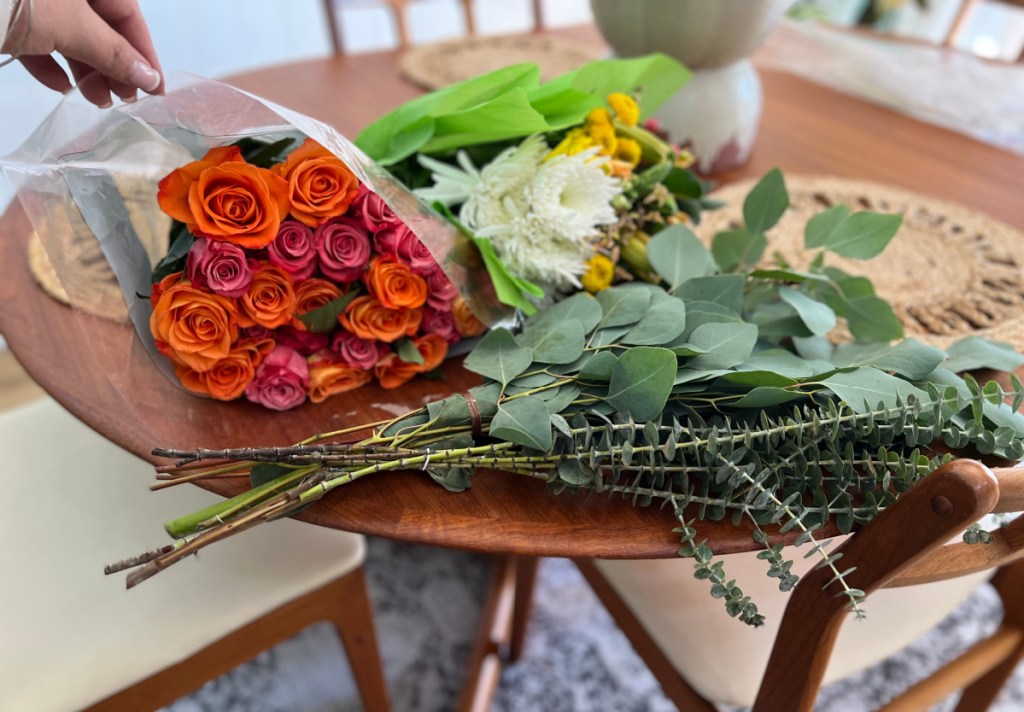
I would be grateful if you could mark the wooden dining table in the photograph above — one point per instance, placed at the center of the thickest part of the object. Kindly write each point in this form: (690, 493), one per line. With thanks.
(95, 368)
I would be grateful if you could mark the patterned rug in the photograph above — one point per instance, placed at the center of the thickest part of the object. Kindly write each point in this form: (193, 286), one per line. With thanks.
(427, 604)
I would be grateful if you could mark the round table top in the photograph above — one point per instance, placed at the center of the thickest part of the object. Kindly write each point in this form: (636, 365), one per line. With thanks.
(112, 386)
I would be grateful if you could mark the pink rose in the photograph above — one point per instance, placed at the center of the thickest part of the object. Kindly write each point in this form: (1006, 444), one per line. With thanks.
(305, 342)
(281, 380)
(373, 211)
(343, 245)
(440, 290)
(401, 242)
(440, 322)
(221, 267)
(294, 250)
(357, 352)
(255, 333)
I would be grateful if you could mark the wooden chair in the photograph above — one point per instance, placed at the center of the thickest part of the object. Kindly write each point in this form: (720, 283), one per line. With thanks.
(70, 637)
(905, 546)
(399, 17)
(962, 19)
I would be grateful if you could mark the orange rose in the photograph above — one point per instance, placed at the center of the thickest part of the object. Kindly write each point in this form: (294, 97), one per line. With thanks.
(369, 319)
(320, 186)
(162, 286)
(392, 371)
(314, 293)
(270, 299)
(224, 198)
(395, 285)
(197, 326)
(230, 375)
(466, 322)
(433, 349)
(328, 377)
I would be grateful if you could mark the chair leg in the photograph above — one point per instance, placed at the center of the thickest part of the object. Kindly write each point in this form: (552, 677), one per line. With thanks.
(526, 580)
(1008, 582)
(353, 620)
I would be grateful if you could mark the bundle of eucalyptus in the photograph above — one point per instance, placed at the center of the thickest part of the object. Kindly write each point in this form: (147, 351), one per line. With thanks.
(716, 391)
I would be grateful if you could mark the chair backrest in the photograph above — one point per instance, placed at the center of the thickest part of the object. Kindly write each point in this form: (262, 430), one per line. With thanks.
(401, 21)
(906, 545)
(960, 21)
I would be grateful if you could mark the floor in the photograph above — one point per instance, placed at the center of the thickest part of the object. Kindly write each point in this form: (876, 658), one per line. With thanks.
(427, 604)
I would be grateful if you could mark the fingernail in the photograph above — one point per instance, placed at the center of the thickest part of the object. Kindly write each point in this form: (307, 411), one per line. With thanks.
(129, 99)
(106, 105)
(144, 76)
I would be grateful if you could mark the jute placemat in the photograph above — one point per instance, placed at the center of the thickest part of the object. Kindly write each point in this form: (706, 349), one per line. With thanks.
(950, 272)
(439, 64)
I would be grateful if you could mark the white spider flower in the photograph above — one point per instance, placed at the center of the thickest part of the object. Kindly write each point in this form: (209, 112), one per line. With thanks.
(530, 250)
(572, 195)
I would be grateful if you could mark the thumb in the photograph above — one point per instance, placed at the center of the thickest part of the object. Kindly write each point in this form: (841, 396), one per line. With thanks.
(96, 44)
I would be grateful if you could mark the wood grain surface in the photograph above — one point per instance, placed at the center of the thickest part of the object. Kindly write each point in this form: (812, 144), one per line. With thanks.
(95, 369)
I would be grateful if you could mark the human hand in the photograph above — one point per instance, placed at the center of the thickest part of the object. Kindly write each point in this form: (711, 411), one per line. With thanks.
(104, 40)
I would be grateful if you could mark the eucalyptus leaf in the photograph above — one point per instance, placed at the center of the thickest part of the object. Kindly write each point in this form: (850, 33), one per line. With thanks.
(766, 202)
(821, 226)
(453, 479)
(552, 342)
(607, 337)
(622, 306)
(642, 381)
(766, 396)
(815, 315)
(872, 319)
(813, 347)
(678, 255)
(562, 398)
(738, 249)
(909, 358)
(725, 345)
(579, 307)
(692, 375)
(782, 362)
(534, 380)
(599, 367)
(700, 313)
(864, 388)
(760, 378)
(724, 289)
(524, 421)
(499, 357)
(974, 353)
(863, 235)
(664, 321)
(408, 352)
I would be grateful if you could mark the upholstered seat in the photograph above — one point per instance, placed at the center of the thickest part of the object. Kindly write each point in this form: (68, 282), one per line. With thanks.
(71, 502)
(725, 660)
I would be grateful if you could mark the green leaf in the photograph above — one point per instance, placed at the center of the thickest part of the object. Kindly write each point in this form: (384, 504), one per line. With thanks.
(691, 375)
(725, 344)
(523, 421)
(684, 349)
(505, 117)
(767, 396)
(724, 289)
(323, 320)
(766, 202)
(738, 249)
(510, 290)
(821, 226)
(664, 321)
(408, 352)
(622, 306)
(678, 255)
(782, 362)
(818, 317)
(599, 367)
(265, 472)
(642, 381)
(974, 353)
(759, 378)
(579, 307)
(559, 399)
(863, 235)
(699, 313)
(174, 261)
(813, 348)
(554, 343)
(864, 388)
(787, 275)
(683, 184)
(454, 479)
(909, 358)
(872, 319)
(499, 357)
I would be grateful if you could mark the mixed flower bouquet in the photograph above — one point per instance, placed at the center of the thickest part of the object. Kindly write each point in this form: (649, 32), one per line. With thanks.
(287, 278)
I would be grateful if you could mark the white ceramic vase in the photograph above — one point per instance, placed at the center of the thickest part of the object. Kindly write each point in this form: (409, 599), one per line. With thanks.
(717, 113)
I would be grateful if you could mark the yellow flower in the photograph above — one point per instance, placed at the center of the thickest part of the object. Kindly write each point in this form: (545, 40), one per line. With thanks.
(625, 108)
(599, 274)
(628, 151)
(575, 141)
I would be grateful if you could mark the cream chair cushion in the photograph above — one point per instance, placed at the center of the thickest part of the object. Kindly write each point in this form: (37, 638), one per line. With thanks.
(724, 660)
(71, 502)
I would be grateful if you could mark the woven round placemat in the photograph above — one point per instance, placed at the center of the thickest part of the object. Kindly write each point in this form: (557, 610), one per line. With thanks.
(949, 273)
(69, 264)
(439, 64)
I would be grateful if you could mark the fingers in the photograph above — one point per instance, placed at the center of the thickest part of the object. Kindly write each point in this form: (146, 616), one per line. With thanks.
(126, 19)
(91, 83)
(46, 70)
(98, 45)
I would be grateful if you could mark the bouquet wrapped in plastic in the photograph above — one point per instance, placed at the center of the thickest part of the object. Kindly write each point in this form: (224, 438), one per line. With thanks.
(260, 254)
